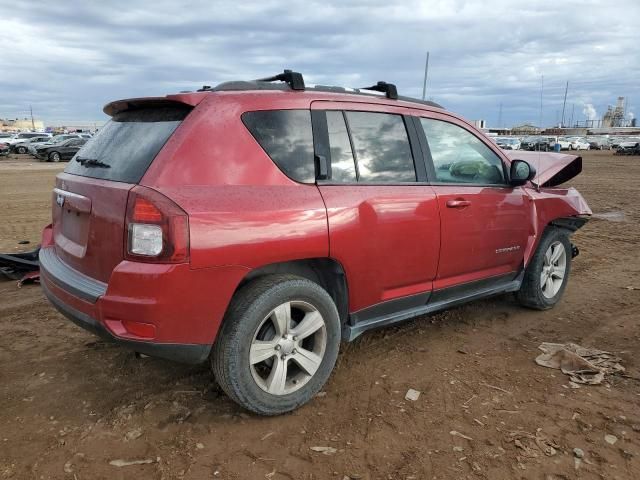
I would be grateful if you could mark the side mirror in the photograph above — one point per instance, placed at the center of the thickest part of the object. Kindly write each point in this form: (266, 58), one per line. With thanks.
(521, 172)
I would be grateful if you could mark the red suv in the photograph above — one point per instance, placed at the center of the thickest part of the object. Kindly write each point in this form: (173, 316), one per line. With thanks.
(257, 224)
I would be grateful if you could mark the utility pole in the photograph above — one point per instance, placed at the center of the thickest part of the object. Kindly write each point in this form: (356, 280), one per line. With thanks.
(500, 116)
(33, 125)
(564, 103)
(573, 106)
(426, 72)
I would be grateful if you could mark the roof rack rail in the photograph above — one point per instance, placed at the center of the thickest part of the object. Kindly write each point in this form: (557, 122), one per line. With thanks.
(389, 89)
(293, 79)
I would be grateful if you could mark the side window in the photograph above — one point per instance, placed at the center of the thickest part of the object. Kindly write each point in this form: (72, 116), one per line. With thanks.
(459, 156)
(286, 136)
(382, 147)
(343, 168)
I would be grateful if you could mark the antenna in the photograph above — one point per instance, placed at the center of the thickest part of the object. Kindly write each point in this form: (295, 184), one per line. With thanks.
(426, 71)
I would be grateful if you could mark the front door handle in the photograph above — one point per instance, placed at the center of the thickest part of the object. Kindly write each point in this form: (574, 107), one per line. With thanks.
(458, 203)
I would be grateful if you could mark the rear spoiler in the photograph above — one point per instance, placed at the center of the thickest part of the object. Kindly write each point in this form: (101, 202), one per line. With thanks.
(117, 106)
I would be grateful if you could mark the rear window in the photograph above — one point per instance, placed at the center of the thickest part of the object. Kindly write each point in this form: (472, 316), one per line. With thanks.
(124, 148)
(286, 136)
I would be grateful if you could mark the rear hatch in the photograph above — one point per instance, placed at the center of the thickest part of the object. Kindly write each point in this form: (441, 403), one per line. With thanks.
(90, 199)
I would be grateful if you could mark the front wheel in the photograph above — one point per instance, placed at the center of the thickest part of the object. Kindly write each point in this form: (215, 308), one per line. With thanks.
(278, 344)
(546, 275)
(54, 157)
(21, 150)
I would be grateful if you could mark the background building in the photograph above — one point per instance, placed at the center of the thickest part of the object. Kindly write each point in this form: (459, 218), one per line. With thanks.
(7, 125)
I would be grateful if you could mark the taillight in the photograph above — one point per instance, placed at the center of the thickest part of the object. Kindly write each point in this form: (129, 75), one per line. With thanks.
(157, 229)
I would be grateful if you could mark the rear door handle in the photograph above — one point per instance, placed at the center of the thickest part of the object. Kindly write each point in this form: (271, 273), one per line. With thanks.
(458, 203)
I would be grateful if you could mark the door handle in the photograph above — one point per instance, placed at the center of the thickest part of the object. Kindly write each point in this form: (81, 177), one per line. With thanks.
(458, 203)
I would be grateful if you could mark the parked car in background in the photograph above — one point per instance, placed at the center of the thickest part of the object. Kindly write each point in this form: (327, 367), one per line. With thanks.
(508, 143)
(34, 148)
(235, 228)
(23, 146)
(539, 144)
(617, 140)
(60, 151)
(599, 143)
(22, 136)
(630, 147)
(578, 143)
(4, 148)
(564, 142)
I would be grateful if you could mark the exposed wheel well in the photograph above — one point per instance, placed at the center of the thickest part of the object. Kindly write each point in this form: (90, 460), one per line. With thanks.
(326, 272)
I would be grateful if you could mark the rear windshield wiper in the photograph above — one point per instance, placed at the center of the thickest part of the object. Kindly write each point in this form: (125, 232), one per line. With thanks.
(91, 162)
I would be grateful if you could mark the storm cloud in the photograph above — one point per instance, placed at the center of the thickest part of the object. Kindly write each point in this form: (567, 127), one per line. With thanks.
(67, 59)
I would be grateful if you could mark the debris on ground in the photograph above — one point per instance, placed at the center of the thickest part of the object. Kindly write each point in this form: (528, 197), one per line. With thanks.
(461, 435)
(610, 439)
(133, 434)
(127, 463)
(324, 450)
(24, 267)
(583, 365)
(530, 444)
(412, 395)
(578, 452)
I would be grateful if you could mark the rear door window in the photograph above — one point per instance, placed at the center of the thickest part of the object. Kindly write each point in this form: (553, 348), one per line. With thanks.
(343, 167)
(382, 149)
(286, 136)
(124, 148)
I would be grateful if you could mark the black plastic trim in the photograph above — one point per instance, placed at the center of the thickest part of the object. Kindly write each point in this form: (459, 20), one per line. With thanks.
(321, 147)
(416, 149)
(71, 280)
(424, 146)
(389, 89)
(570, 223)
(179, 352)
(389, 308)
(397, 310)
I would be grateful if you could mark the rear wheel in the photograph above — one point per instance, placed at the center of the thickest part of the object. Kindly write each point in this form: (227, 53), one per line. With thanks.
(54, 157)
(546, 276)
(278, 344)
(21, 149)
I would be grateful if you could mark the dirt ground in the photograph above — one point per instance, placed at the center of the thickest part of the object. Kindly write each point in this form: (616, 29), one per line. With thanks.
(71, 403)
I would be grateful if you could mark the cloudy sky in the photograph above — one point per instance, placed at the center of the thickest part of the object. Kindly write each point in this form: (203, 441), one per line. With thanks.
(68, 58)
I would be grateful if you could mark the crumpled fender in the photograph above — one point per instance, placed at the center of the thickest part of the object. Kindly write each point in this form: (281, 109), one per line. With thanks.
(564, 207)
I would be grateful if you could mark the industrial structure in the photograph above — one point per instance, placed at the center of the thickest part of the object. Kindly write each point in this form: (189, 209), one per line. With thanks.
(615, 116)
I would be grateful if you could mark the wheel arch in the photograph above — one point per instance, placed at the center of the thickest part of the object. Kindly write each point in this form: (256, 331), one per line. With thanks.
(325, 271)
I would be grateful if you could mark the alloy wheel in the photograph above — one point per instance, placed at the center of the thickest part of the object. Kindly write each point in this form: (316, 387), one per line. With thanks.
(288, 347)
(553, 269)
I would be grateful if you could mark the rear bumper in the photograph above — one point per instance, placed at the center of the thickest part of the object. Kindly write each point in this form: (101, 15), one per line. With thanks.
(169, 311)
(184, 353)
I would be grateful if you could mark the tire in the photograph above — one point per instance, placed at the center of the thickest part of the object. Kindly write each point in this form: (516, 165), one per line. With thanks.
(54, 157)
(251, 321)
(21, 150)
(533, 293)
